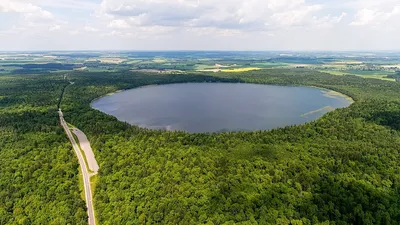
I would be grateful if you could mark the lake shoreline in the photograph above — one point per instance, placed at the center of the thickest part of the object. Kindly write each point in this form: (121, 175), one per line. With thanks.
(335, 93)
(190, 99)
(119, 91)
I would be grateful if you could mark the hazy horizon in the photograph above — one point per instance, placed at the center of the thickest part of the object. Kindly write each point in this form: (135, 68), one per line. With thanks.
(200, 50)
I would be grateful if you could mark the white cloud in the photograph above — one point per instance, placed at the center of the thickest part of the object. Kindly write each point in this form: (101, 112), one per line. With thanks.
(225, 15)
(374, 16)
(66, 4)
(234, 18)
(74, 32)
(121, 34)
(296, 17)
(18, 7)
(212, 31)
(119, 24)
(280, 5)
(148, 32)
(30, 11)
(15, 30)
(55, 28)
(194, 24)
(90, 29)
(40, 16)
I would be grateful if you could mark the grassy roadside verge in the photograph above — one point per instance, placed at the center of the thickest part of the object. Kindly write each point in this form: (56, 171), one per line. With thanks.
(81, 185)
(70, 126)
(93, 183)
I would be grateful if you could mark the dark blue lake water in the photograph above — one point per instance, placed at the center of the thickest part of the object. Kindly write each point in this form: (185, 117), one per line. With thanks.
(217, 107)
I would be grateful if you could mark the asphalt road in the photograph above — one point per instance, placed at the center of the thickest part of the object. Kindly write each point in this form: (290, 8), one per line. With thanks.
(87, 149)
(85, 173)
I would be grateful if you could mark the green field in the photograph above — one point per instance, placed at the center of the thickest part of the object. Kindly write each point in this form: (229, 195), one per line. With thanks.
(381, 75)
(199, 61)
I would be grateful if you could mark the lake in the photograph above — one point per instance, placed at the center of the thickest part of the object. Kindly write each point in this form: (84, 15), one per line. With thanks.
(219, 107)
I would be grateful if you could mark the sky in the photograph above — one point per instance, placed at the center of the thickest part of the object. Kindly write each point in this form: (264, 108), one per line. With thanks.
(290, 25)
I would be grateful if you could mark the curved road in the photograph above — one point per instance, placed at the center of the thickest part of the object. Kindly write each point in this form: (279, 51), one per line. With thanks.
(85, 173)
(87, 150)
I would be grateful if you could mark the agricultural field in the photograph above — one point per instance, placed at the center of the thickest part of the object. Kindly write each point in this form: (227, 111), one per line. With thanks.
(372, 65)
(238, 70)
(381, 75)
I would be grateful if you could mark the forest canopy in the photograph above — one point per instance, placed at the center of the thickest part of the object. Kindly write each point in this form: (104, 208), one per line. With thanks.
(340, 169)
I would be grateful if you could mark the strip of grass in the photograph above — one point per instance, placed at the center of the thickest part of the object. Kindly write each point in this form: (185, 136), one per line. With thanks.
(81, 184)
(71, 126)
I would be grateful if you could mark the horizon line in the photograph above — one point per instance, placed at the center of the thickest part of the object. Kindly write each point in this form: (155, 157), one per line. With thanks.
(201, 50)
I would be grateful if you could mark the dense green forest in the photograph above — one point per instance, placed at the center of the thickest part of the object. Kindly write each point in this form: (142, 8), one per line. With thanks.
(395, 76)
(38, 172)
(340, 169)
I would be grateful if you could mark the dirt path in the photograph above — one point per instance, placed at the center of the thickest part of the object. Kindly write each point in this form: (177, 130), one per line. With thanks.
(85, 173)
